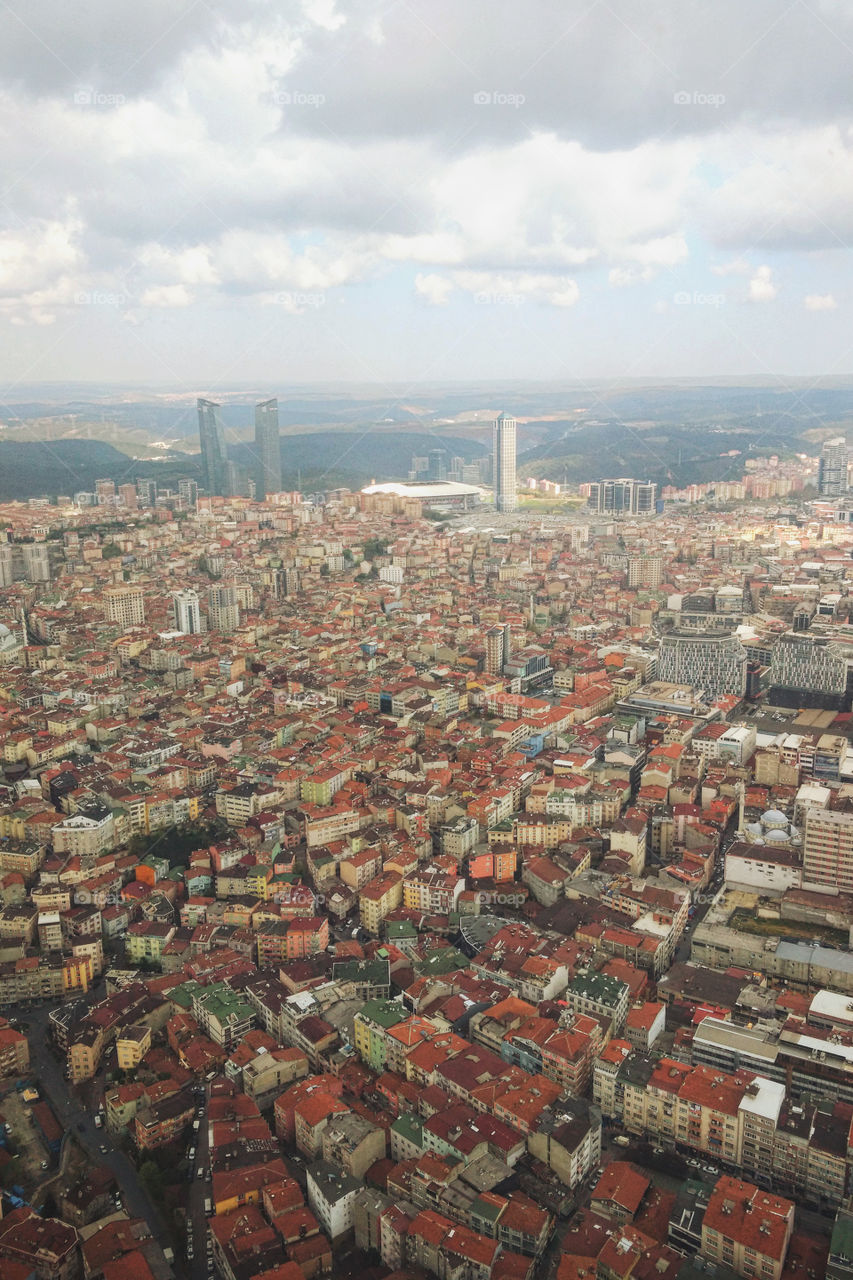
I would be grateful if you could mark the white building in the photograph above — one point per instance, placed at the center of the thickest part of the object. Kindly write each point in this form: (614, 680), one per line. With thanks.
(187, 615)
(504, 445)
(331, 1195)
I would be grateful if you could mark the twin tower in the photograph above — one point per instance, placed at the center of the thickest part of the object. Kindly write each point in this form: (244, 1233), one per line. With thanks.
(221, 475)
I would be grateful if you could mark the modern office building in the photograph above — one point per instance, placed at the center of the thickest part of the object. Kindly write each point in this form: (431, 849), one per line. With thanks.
(125, 605)
(810, 670)
(187, 615)
(437, 465)
(714, 662)
(624, 497)
(832, 468)
(211, 434)
(504, 447)
(267, 448)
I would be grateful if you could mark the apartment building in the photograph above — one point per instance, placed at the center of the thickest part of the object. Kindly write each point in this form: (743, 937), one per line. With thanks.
(747, 1229)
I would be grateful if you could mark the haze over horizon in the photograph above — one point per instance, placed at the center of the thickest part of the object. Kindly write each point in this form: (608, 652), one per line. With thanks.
(198, 195)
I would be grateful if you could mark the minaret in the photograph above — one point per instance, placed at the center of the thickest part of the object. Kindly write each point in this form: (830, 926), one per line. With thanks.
(741, 805)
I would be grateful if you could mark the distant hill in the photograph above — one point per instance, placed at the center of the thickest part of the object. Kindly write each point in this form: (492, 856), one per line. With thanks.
(318, 460)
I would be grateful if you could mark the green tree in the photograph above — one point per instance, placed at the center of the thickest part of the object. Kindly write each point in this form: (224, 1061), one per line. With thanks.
(151, 1179)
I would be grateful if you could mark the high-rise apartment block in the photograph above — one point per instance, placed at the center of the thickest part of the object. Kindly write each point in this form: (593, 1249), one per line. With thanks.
(7, 564)
(146, 492)
(624, 497)
(268, 447)
(828, 850)
(645, 571)
(105, 492)
(188, 491)
(832, 468)
(498, 648)
(125, 605)
(187, 615)
(211, 434)
(223, 609)
(36, 562)
(504, 450)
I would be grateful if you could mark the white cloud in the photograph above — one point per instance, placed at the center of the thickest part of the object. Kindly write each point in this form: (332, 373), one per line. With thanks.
(434, 289)
(761, 286)
(622, 277)
(819, 302)
(736, 267)
(166, 295)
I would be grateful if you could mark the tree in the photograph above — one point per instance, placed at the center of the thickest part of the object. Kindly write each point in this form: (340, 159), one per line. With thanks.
(151, 1179)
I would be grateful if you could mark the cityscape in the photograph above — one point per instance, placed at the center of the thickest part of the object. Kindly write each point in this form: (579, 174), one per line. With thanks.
(426, 640)
(425, 881)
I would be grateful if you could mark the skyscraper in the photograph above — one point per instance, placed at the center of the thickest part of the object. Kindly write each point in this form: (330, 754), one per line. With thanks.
(187, 616)
(832, 469)
(268, 447)
(504, 463)
(211, 434)
(437, 466)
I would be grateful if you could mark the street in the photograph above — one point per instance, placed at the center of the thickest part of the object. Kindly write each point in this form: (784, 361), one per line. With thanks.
(75, 1119)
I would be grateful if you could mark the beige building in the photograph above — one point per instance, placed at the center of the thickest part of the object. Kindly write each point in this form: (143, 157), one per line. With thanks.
(125, 606)
(383, 894)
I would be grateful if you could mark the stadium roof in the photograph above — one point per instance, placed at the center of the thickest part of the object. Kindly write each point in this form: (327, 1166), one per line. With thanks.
(424, 489)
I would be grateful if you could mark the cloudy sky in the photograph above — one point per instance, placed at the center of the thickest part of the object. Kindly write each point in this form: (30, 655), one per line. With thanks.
(199, 193)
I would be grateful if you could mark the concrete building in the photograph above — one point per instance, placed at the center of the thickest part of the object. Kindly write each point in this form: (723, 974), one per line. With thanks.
(832, 468)
(331, 1195)
(828, 850)
(711, 662)
(498, 648)
(623, 497)
(187, 615)
(125, 606)
(223, 609)
(746, 1229)
(504, 456)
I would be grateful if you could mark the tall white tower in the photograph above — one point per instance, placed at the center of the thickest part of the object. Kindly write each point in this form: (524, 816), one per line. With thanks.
(506, 498)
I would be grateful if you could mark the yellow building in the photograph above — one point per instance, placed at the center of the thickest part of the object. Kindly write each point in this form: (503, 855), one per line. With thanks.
(377, 899)
(132, 1045)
